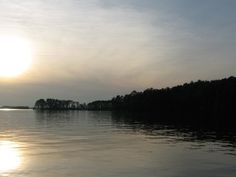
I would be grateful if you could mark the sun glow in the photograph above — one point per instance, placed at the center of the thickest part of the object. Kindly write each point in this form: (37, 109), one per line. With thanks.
(15, 56)
(10, 158)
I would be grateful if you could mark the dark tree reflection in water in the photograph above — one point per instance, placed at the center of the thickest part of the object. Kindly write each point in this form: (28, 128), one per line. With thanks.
(104, 144)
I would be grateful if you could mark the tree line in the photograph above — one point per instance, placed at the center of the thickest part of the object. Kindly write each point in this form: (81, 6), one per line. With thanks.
(211, 97)
(203, 99)
(55, 104)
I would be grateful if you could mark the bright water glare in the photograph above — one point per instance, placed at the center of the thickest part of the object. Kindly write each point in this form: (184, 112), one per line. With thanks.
(106, 144)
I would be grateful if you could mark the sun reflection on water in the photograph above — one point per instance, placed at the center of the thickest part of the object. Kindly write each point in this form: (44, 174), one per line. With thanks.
(10, 158)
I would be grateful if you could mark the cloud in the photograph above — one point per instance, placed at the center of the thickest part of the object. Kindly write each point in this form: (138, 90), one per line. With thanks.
(94, 49)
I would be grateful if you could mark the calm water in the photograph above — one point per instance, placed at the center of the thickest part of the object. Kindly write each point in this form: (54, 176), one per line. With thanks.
(103, 144)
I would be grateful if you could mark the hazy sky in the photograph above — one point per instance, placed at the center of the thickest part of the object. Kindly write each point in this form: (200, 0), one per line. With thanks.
(96, 49)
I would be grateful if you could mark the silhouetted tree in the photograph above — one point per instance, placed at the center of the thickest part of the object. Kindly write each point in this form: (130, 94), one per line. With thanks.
(54, 104)
(100, 105)
(207, 102)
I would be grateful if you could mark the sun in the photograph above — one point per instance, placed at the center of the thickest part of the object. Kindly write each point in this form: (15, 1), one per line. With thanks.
(15, 56)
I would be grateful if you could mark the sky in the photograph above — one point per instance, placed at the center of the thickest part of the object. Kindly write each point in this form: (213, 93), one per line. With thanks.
(86, 50)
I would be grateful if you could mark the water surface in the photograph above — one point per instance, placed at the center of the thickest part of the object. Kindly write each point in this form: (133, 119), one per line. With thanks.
(106, 144)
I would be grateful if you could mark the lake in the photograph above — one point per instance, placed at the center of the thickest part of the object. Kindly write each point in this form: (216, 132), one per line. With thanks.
(106, 144)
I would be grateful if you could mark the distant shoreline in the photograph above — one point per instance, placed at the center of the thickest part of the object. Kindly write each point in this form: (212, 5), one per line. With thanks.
(201, 102)
(15, 107)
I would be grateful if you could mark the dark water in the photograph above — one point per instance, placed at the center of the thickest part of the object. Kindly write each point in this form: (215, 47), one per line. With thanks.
(104, 144)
